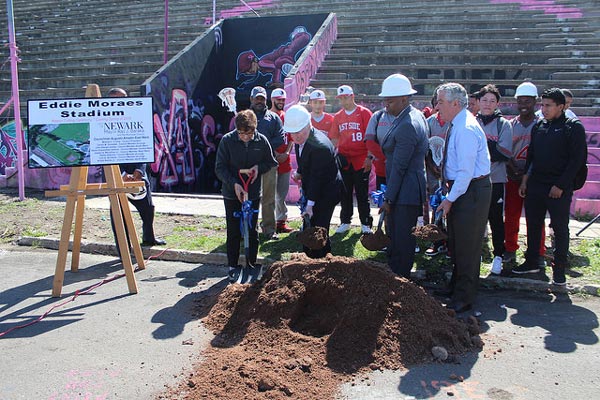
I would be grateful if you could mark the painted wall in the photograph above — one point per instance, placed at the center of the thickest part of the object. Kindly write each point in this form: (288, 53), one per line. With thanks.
(190, 118)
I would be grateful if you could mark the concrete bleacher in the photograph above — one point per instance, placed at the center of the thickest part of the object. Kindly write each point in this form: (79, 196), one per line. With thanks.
(66, 45)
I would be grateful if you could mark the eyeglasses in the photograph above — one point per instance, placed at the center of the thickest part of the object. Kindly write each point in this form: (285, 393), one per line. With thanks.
(246, 132)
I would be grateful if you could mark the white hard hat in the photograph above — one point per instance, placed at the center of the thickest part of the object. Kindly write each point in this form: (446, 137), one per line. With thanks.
(526, 89)
(278, 94)
(296, 118)
(396, 85)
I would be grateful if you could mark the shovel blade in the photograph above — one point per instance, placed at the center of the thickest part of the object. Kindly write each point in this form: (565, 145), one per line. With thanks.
(250, 274)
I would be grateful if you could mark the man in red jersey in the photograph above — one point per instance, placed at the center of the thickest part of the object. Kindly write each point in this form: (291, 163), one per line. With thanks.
(348, 136)
(318, 117)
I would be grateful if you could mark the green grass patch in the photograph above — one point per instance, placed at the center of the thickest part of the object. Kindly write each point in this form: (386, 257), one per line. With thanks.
(33, 232)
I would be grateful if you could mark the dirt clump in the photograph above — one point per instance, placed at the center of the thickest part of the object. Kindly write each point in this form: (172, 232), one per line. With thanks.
(311, 324)
(375, 241)
(315, 237)
(429, 232)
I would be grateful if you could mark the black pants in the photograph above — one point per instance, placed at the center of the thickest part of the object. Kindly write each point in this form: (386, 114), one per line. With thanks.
(496, 218)
(322, 213)
(401, 251)
(355, 181)
(234, 233)
(537, 202)
(466, 224)
(145, 208)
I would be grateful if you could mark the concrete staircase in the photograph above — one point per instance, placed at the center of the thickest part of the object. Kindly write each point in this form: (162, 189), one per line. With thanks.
(66, 45)
(552, 43)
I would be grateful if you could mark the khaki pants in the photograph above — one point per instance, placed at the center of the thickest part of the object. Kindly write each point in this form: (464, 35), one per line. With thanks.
(283, 187)
(269, 182)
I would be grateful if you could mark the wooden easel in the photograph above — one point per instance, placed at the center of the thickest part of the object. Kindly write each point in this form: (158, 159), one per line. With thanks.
(117, 191)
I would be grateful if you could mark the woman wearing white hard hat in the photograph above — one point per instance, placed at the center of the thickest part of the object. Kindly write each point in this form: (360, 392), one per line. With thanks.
(317, 170)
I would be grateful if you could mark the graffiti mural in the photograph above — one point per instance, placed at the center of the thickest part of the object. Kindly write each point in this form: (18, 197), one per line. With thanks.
(8, 147)
(271, 67)
(188, 116)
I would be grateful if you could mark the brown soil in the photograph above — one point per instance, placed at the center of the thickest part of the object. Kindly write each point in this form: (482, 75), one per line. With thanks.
(375, 241)
(310, 325)
(429, 232)
(315, 237)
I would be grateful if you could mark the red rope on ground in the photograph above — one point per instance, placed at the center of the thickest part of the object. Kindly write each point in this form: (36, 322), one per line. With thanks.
(77, 293)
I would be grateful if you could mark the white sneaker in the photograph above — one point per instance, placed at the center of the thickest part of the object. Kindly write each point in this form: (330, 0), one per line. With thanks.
(497, 266)
(343, 228)
(365, 229)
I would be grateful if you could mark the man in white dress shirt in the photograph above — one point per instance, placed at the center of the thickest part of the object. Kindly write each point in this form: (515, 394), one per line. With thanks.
(466, 174)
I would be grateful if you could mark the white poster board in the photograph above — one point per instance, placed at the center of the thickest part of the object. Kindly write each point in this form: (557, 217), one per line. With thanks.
(90, 131)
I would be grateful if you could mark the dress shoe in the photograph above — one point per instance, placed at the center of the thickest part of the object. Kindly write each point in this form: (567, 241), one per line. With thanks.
(458, 306)
(155, 242)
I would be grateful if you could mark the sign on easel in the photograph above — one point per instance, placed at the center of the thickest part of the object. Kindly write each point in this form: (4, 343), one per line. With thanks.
(90, 131)
(93, 131)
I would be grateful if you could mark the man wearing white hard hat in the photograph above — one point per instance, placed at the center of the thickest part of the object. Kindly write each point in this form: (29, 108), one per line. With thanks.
(317, 169)
(522, 124)
(282, 154)
(404, 145)
(319, 118)
(348, 136)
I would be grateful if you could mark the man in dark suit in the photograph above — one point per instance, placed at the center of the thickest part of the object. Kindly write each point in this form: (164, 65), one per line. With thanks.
(143, 203)
(404, 146)
(317, 169)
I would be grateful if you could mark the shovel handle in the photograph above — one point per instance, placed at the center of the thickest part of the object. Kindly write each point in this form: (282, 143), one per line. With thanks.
(381, 219)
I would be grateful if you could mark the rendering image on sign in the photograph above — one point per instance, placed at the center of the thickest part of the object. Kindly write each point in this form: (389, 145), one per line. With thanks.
(90, 131)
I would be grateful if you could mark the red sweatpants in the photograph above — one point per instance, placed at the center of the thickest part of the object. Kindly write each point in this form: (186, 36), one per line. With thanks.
(513, 206)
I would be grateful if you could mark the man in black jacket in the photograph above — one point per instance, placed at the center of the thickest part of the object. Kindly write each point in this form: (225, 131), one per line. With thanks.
(556, 153)
(317, 169)
(243, 148)
(143, 202)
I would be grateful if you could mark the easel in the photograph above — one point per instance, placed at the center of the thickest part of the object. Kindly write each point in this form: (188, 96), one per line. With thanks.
(117, 191)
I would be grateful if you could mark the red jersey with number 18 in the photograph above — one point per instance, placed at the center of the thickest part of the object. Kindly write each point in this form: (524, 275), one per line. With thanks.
(349, 130)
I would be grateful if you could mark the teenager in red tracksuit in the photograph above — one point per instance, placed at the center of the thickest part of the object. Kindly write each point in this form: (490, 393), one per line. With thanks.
(526, 96)
(348, 135)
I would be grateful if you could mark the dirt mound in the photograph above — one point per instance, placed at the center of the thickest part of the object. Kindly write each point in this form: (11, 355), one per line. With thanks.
(315, 237)
(311, 324)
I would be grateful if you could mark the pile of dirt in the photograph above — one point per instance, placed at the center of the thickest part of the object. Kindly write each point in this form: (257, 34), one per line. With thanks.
(311, 324)
(429, 232)
(315, 237)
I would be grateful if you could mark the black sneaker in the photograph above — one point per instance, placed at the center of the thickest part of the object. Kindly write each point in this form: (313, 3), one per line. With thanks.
(526, 268)
(509, 257)
(541, 262)
(558, 276)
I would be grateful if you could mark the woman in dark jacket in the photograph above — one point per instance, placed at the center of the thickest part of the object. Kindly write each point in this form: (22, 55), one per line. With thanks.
(242, 149)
